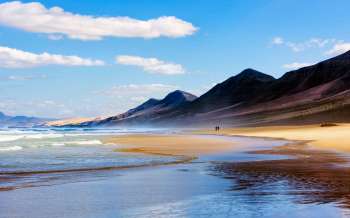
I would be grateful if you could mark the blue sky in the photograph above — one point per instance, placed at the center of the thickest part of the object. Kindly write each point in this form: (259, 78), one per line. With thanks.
(194, 45)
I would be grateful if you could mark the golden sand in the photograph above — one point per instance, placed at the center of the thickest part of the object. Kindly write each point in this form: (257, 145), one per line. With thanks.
(187, 145)
(330, 138)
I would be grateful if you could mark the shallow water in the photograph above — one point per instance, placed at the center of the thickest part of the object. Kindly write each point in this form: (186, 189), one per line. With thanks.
(183, 190)
(31, 156)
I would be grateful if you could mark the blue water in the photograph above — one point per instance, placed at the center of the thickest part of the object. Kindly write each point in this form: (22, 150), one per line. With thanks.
(38, 152)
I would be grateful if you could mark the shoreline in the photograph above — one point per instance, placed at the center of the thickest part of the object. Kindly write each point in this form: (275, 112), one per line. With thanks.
(57, 174)
(205, 186)
(333, 138)
(317, 171)
(172, 144)
(193, 147)
(314, 176)
(176, 157)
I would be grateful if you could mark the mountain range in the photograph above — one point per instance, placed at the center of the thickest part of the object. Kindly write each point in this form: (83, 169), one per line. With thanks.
(20, 121)
(313, 94)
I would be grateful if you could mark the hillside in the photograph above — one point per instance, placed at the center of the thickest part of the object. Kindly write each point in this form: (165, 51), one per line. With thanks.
(316, 93)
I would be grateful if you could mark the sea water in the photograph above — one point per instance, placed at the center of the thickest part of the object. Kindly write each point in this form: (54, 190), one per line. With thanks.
(33, 155)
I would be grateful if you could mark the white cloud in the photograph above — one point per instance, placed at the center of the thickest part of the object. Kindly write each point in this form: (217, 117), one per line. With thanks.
(277, 40)
(35, 17)
(296, 65)
(320, 42)
(339, 48)
(301, 46)
(27, 77)
(138, 99)
(14, 58)
(38, 108)
(55, 37)
(138, 90)
(152, 65)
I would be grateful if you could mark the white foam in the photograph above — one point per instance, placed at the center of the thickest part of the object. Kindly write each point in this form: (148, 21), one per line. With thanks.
(41, 136)
(85, 142)
(58, 144)
(11, 148)
(8, 138)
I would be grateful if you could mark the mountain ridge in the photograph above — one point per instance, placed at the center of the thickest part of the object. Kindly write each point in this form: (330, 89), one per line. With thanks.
(20, 121)
(252, 97)
(146, 110)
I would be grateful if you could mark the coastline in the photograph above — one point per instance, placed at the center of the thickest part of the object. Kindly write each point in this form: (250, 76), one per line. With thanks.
(335, 138)
(184, 189)
(172, 144)
(317, 169)
(191, 147)
(314, 176)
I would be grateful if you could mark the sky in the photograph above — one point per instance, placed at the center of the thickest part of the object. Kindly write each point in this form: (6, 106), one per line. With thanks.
(64, 59)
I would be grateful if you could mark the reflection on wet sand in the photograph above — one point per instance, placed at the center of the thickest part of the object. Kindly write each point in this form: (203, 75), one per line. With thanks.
(309, 176)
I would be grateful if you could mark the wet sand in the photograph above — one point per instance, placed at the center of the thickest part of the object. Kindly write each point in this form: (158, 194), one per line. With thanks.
(313, 176)
(181, 145)
(317, 171)
(313, 171)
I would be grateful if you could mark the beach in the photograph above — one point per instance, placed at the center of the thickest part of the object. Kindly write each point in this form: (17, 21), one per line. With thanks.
(186, 174)
(175, 144)
(335, 138)
(317, 168)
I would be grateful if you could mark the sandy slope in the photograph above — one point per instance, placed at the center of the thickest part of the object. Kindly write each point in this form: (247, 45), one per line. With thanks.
(69, 121)
(330, 138)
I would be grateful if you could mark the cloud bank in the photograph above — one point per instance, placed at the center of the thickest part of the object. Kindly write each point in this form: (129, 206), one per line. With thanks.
(151, 65)
(35, 17)
(14, 58)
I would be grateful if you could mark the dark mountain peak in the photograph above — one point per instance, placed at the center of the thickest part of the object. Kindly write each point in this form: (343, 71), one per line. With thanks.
(177, 97)
(147, 104)
(151, 101)
(239, 89)
(171, 100)
(251, 74)
(180, 94)
(249, 71)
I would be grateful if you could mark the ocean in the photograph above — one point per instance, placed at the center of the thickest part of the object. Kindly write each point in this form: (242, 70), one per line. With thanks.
(29, 156)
